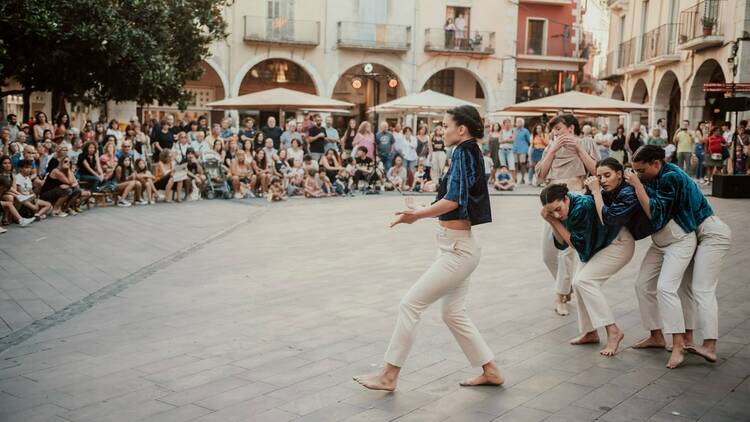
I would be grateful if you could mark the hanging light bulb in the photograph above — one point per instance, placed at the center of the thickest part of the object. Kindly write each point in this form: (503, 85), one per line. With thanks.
(356, 83)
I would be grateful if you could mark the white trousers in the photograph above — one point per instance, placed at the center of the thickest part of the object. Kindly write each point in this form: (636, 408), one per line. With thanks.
(593, 310)
(714, 238)
(448, 279)
(437, 168)
(561, 264)
(665, 301)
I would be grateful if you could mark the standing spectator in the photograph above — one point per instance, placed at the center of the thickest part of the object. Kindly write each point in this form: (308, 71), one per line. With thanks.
(272, 131)
(617, 148)
(316, 139)
(714, 160)
(409, 149)
(521, 144)
(248, 130)
(656, 139)
(461, 34)
(365, 139)
(5, 141)
(726, 132)
(741, 164)
(700, 142)
(423, 146)
(227, 129)
(636, 139)
(12, 126)
(661, 124)
(684, 142)
(603, 140)
(450, 33)
(41, 123)
(539, 141)
(348, 139)
(162, 137)
(332, 136)
(439, 155)
(386, 145)
(398, 138)
(290, 134)
(113, 129)
(505, 149)
(494, 145)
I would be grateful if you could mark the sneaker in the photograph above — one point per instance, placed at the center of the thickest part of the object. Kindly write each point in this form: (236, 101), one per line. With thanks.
(238, 196)
(123, 203)
(23, 222)
(60, 214)
(78, 209)
(250, 194)
(71, 211)
(3, 230)
(141, 202)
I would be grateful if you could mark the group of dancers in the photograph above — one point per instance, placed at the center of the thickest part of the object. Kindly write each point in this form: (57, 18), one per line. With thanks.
(594, 211)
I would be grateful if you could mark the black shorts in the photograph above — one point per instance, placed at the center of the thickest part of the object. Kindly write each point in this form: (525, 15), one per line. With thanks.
(55, 194)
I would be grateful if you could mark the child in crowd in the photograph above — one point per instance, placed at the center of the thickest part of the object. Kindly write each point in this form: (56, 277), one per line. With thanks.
(312, 189)
(276, 191)
(488, 165)
(30, 204)
(146, 179)
(504, 180)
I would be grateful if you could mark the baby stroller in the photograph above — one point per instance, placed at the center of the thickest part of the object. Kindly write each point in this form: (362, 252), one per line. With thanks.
(216, 183)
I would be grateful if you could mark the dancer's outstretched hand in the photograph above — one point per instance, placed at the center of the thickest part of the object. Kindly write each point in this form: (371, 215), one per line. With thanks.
(405, 217)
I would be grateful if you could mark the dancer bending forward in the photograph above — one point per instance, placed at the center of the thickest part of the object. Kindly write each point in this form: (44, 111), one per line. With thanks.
(462, 201)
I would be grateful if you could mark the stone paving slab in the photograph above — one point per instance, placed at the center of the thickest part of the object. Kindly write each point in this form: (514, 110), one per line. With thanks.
(269, 322)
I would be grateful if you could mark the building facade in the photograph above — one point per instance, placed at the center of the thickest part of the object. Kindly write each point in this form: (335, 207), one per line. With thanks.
(548, 48)
(661, 54)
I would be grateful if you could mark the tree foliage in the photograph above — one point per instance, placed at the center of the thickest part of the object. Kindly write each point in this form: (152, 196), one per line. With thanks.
(99, 50)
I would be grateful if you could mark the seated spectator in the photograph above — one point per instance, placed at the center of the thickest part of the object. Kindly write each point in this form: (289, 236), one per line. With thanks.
(28, 153)
(61, 189)
(420, 182)
(126, 148)
(75, 149)
(164, 174)
(281, 167)
(89, 167)
(200, 145)
(296, 152)
(504, 180)
(324, 183)
(242, 176)
(276, 191)
(396, 175)
(231, 152)
(108, 159)
(146, 179)
(127, 182)
(24, 184)
(364, 169)
(262, 171)
(218, 150)
(296, 178)
(271, 152)
(259, 141)
(196, 176)
(290, 135)
(181, 147)
(330, 164)
(194, 130)
(10, 213)
(308, 163)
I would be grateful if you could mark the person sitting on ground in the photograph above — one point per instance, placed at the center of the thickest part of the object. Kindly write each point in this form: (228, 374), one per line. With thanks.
(61, 189)
(108, 159)
(325, 183)
(127, 182)
(276, 191)
(262, 170)
(504, 180)
(25, 187)
(312, 189)
(421, 183)
(330, 164)
(296, 152)
(271, 152)
(364, 169)
(146, 179)
(396, 177)
(195, 173)
(242, 177)
(10, 213)
(296, 178)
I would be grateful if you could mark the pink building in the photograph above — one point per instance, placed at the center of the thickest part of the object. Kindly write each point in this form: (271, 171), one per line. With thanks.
(549, 57)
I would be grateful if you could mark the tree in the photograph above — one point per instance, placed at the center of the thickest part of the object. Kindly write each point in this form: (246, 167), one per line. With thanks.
(98, 50)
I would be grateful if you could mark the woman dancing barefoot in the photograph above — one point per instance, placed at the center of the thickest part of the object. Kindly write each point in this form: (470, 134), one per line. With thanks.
(462, 201)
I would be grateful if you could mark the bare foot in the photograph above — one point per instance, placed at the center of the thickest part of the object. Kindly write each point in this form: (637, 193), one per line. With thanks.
(487, 378)
(704, 352)
(650, 342)
(377, 381)
(613, 342)
(677, 357)
(588, 338)
(561, 309)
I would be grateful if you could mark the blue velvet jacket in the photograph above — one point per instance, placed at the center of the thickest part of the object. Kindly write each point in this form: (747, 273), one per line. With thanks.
(466, 184)
(587, 234)
(621, 208)
(674, 195)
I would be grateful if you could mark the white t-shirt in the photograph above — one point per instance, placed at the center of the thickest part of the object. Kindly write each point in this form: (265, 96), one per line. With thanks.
(504, 136)
(488, 165)
(669, 150)
(296, 155)
(24, 183)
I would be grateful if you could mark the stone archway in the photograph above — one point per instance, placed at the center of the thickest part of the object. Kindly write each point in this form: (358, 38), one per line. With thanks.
(667, 102)
(699, 103)
(640, 92)
(464, 84)
(316, 87)
(367, 85)
(618, 94)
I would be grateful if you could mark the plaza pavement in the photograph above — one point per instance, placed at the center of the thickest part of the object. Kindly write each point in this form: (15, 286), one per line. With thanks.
(248, 311)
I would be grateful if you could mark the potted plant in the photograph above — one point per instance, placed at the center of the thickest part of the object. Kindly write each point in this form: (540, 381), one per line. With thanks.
(708, 25)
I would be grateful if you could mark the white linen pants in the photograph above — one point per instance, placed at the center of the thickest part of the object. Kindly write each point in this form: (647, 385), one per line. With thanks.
(593, 310)
(448, 279)
(561, 264)
(714, 238)
(665, 301)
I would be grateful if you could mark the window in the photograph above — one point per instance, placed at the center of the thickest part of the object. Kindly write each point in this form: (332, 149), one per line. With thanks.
(442, 82)
(535, 36)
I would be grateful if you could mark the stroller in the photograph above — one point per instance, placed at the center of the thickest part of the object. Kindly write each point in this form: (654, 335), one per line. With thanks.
(216, 183)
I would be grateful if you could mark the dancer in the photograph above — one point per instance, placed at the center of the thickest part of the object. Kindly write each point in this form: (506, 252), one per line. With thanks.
(677, 200)
(567, 159)
(603, 244)
(462, 201)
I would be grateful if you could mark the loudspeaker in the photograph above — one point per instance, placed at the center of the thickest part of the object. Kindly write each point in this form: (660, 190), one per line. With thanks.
(726, 186)
(734, 104)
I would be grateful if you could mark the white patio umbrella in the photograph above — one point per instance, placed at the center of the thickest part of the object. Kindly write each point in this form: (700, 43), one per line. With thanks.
(279, 99)
(425, 101)
(576, 102)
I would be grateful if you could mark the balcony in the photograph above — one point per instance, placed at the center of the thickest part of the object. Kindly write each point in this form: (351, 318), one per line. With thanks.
(609, 73)
(474, 43)
(374, 36)
(626, 54)
(700, 26)
(658, 45)
(617, 4)
(282, 31)
(569, 61)
(548, 2)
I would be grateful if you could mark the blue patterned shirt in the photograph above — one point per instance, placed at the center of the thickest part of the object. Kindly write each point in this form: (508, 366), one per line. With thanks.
(466, 184)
